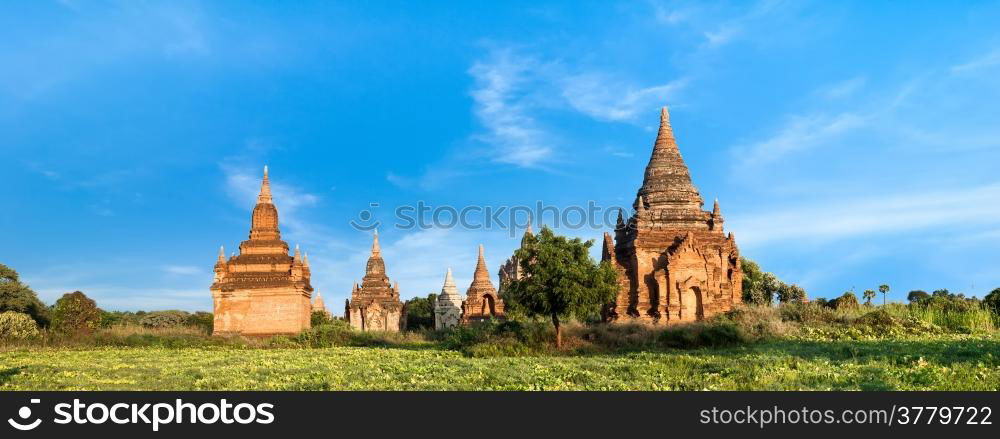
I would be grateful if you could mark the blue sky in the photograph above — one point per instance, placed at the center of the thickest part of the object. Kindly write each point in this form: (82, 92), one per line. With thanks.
(849, 143)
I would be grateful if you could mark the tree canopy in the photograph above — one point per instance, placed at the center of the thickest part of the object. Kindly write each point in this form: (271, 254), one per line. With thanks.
(760, 287)
(18, 297)
(561, 280)
(420, 312)
(992, 300)
(75, 313)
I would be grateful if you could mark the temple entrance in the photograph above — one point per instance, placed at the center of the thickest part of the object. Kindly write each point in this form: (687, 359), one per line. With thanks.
(691, 306)
(489, 307)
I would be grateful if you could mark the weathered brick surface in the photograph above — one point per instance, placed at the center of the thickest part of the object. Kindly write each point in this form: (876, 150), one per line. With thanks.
(263, 290)
(673, 260)
(481, 299)
(374, 304)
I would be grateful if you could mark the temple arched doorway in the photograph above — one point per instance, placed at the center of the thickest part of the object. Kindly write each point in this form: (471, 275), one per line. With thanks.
(691, 304)
(489, 306)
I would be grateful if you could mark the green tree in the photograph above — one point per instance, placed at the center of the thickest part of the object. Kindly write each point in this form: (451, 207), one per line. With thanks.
(846, 301)
(75, 313)
(916, 296)
(884, 289)
(791, 293)
(420, 312)
(18, 297)
(561, 280)
(992, 301)
(759, 287)
(318, 318)
(869, 295)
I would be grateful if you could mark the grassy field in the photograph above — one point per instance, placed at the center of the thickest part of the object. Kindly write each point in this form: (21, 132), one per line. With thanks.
(946, 362)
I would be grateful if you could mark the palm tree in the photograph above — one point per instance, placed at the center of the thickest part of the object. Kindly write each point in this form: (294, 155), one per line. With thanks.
(884, 289)
(869, 294)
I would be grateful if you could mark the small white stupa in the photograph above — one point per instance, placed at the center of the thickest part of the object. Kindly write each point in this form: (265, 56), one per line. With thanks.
(448, 306)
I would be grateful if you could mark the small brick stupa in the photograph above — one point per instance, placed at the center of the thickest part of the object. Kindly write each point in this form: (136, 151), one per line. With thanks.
(481, 299)
(318, 305)
(674, 262)
(374, 305)
(263, 290)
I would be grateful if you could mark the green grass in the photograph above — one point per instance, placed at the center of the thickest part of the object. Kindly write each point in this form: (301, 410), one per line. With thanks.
(941, 362)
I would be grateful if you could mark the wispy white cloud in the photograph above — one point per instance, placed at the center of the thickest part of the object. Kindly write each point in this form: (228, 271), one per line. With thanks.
(843, 89)
(986, 61)
(966, 210)
(243, 186)
(603, 97)
(512, 88)
(183, 270)
(722, 35)
(501, 107)
(800, 133)
(721, 24)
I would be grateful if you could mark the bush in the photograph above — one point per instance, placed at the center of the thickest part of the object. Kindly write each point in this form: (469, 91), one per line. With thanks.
(164, 319)
(846, 301)
(17, 325)
(75, 313)
(203, 320)
(320, 318)
(808, 313)
(759, 322)
(335, 333)
(698, 335)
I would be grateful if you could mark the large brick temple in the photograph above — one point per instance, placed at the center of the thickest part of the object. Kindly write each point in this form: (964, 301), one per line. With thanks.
(263, 290)
(674, 262)
(374, 305)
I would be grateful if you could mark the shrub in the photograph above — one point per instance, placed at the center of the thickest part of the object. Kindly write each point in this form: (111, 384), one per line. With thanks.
(846, 301)
(164, 319)
(203, 320)
(808, 313)
(758, 322)
(17, 325)
(698, 335)
(75, 313)
(320, 318)
(335, 333)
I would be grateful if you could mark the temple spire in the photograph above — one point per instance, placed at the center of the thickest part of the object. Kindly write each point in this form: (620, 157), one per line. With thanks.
(448, 280)
(222, 254)
(376, 251)
(667, 182)
(482, 273)
(298, 254)
(265, 189)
